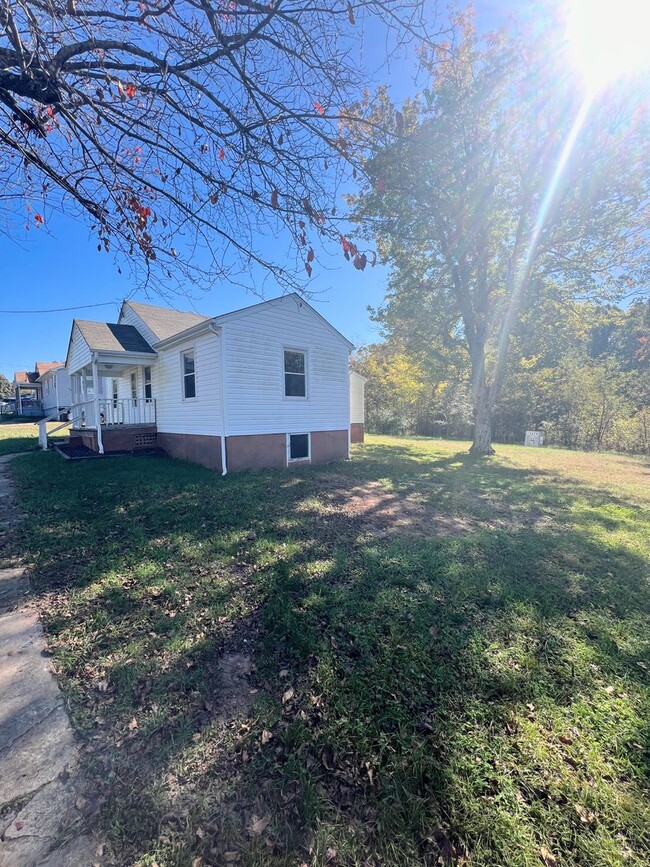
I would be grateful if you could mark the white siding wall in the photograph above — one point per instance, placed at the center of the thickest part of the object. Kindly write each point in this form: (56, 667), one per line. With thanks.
(63, 387)
(199, 415)
(357, 398)
(79, 354)
(128, 316)
(49, 395)
(255, 401)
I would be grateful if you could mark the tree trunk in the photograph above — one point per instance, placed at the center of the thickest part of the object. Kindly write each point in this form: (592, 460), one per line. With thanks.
(482, 444)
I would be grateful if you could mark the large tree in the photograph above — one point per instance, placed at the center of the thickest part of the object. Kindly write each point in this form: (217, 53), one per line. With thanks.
(504, 181)
(183, 129)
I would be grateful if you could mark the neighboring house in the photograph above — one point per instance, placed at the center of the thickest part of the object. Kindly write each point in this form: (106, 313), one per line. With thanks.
(28, 387)
(55, 391)
(357, 406)
(265, 386)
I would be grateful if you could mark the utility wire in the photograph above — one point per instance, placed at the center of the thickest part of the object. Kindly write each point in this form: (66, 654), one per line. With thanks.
(61, 309)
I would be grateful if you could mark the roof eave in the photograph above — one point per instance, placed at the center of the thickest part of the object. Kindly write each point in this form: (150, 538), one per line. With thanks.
(209, 325)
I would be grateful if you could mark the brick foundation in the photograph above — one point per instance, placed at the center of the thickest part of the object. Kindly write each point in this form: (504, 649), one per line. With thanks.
(256, 452)
(118, 439)
(197, 448)
(329, 445)
(357, 432)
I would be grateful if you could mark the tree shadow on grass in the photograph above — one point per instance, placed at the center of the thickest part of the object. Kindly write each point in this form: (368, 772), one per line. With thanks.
(435, 685)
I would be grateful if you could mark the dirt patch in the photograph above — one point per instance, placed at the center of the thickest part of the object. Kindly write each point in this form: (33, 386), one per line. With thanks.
(384, 513)
(235, 695)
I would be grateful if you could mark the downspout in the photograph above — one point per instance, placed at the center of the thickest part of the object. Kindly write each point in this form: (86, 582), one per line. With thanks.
(349, 408)
(98, 420)
(224, 466)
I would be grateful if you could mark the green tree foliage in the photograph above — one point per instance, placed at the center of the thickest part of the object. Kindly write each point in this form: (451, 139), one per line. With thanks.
(5, 386)
(479, 226)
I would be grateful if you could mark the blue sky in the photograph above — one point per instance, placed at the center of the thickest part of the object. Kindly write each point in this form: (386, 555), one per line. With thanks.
(60, 267)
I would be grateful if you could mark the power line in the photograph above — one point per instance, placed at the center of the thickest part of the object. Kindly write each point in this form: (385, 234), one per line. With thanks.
(61, 309)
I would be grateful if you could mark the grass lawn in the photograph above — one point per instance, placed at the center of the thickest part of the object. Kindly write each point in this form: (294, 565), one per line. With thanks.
(22, 436)
(448, 657)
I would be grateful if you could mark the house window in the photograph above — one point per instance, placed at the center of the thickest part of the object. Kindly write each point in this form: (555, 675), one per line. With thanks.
(147, 384)
(134, 388)
(298, 447)
(115, 388)
(189, 374)
(295, 373)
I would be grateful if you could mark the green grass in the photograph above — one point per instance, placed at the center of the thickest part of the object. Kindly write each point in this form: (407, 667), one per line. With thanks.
(22, 436)
(462, 645)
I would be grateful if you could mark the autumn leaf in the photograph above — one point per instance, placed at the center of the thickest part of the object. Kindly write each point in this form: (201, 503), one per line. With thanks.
(258, 824)
(308, 269)
(274, 199)
(38, 219)
(547, 857)
(288, 695)
(231, 857)
(266, 736)
(133, 724)
(433, 631)
(319, 108)
(360, 261)
(222, 154)
(310, 255)
(351, 17)
(130, 90)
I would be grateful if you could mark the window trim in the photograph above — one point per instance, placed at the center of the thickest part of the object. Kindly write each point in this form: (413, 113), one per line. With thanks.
(147, 398)
(292, 397)
(187, 351)
(304, 460)
(133, 381)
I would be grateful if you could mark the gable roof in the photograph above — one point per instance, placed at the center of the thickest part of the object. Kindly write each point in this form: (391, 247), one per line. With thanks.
(45, 366)
(23, 376)
(244, 311)
(162, 321)
(109, 337)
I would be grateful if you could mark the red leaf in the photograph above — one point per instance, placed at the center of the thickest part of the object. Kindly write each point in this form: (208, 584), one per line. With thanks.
(222, 154)
(351, 17)
(360, 261)
(50, 111)
(274, 199)
(308, 270)
(310, 255)
(130, 90)
(38, 219)
(20, 826)
(319, 108)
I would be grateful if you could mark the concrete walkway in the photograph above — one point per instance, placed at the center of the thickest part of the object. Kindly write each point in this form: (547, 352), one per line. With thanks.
(40, 790)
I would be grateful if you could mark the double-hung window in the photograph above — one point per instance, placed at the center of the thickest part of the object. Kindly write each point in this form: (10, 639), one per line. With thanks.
(148, 394)
(134, 388)
(295, 373)
(189, 374)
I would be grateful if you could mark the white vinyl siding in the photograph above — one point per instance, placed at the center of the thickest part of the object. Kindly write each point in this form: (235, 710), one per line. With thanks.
(357, 398)
(254, 347)
(79, 353)
(199, 415)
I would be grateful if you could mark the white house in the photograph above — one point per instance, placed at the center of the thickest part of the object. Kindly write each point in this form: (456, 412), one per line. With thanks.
(55, 391)
(357, 406)
(265, 386)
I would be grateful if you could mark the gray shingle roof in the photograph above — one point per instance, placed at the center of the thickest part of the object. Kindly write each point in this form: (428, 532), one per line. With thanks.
(164, 322)
(108, 337)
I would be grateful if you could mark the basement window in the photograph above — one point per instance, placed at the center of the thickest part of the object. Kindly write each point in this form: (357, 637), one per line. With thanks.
(299, 447)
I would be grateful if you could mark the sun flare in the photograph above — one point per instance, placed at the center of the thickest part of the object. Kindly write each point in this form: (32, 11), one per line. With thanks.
(609, 39)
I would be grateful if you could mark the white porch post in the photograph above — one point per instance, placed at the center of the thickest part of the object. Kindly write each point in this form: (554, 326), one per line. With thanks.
(98, 420)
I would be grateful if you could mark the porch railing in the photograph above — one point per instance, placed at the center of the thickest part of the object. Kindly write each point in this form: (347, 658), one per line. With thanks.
(114, 412)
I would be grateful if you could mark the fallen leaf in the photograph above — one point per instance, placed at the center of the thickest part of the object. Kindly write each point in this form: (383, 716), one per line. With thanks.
(610, 689)
(258, 824)
(231, 857)
(547, 857)
(433, 631)
(266, 736)
(327, 758)
(330, 854)
(284, 672)
(586, 816)
(288, 695)
(565, 739)
(133, 724)
(20, 826)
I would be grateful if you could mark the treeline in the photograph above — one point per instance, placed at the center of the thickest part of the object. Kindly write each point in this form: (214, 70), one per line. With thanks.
(582, 375)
